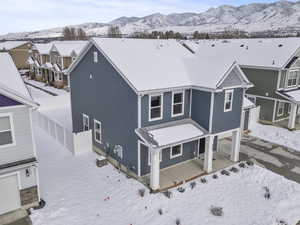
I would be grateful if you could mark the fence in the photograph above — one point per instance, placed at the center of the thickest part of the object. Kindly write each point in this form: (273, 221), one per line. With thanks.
(76, 143)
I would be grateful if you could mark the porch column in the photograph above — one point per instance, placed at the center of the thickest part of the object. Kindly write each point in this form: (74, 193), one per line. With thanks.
(292, 118)
(154, 174)
(235, 145)
(208, 155)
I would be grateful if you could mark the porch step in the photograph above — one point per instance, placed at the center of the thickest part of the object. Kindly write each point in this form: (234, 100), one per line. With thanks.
(11, 217)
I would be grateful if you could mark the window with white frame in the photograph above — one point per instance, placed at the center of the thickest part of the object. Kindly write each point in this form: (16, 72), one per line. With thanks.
(97, 131)
(149, 156)
(176, 151)
(155, 107)
(86, 122)
(292, 78)
(6, 131)
(228, 99)
(178, 103)
(95, 57)
(280, 108)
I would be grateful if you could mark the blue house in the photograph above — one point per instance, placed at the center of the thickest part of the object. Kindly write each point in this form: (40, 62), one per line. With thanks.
(152, 104)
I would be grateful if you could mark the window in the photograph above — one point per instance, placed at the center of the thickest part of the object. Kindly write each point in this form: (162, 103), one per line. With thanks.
(155, 107)
(97, 131)
(149, 156)
(176, 151)
(86, 122)
(292, 78)
(178, 103)
(95, 57)
(280, 108)
(228, 100)
(59, 76)
(6, 131)
(289, 107)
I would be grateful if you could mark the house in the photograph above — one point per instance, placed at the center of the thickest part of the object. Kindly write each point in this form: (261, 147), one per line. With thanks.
(18, 161)
(152, 105)
(272, 65)
(19, 51)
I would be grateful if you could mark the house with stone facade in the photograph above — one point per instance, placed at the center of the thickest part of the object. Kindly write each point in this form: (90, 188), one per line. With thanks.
(273, 66)
(153, 106)
(19, 187)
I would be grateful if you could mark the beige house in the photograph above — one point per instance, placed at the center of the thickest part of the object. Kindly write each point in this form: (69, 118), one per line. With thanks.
(19, 51)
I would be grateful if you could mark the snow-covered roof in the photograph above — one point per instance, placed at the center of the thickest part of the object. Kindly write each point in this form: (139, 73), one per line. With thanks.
(247, 103)
(67, 48)
(30, 60)
(171, 133)
(48, 65)
(43, 48)
(161, 64)
(8, 45)
(11, 83)
(269, 53)
(292, 95)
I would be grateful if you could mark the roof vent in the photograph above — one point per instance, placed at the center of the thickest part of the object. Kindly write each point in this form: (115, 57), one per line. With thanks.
(242, 45)
(280, 45)
(213, 45)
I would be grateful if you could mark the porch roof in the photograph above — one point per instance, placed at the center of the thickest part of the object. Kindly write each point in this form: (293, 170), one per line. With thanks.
(291, 95)
(171, 133)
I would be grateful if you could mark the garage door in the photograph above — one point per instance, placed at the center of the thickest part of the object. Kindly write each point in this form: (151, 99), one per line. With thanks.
(9, 194)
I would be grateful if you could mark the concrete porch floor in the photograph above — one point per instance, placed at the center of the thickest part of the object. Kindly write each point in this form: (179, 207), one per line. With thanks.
(284, 123)
(189, 170)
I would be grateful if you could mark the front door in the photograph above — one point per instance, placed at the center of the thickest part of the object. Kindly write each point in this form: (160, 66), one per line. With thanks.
(201, 146)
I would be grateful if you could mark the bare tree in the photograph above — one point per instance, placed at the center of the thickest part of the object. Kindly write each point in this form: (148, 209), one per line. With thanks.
(114, 32)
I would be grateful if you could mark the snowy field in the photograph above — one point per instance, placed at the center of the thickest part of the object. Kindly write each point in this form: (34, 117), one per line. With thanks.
(79, 193)
(277, 135)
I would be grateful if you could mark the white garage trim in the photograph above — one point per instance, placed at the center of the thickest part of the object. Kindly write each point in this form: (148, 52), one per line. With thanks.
(12, 174)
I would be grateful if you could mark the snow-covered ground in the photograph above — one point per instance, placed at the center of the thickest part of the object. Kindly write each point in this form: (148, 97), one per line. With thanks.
(277, 135)
(79, 193)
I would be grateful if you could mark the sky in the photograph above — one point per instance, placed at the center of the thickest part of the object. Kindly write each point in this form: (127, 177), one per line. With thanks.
(31, 15)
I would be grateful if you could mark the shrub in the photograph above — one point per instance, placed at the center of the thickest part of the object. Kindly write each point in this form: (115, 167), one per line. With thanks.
(160, 211)
(242, 165)
(250, 163)
(215, 176)
(142, 192)
(181, 189)
(203, 180)
(267, 193)
(177, 222)
(193, 185)
(225, 172)
(216, 211)
(281, 222)
(168, 194)
(234, 169)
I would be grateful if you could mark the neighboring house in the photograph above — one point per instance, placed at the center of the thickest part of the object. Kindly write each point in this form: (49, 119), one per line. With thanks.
(19, 51)
(18, 161)
(273, 66)
(152, 104)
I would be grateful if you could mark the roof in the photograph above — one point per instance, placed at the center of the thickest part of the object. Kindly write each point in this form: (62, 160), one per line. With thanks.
(270, 53)
(247, 104)
(43, 48)
(160, 64)
(8, 45)
(67, 48)
(291, 95)
(11, 83)
(171, 133)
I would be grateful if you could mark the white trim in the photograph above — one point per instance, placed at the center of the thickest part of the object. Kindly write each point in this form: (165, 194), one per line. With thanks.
(288, 78)
(84, 116)
(212, 101)
(139, 157)
(191, 100)
(182, 103)
(231, 100)
(180, 154)
(280, 103)
(242, 121)
(149, 155)
(139, 111)
(161, 107)
(268, 98)
(12, 107)
(32, 133)
(274, 111)
(279, 79)
(95, 57)
(12, 129)
(289, 107)
(18, 177)
(99, 131)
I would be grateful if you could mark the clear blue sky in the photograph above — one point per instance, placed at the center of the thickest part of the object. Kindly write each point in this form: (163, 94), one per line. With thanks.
(30, 15)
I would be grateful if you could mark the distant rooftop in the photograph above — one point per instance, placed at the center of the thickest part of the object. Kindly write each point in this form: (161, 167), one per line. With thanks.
(8, 45)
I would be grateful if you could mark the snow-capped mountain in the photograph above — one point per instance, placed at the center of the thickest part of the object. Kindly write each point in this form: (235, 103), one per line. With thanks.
(281, 15)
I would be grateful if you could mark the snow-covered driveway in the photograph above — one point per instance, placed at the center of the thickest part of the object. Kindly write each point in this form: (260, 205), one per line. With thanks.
(79, 193)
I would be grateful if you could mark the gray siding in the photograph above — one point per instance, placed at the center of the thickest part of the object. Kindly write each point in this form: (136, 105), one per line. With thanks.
(233, 79)
(106, 97)
(223, 121)
(167, 109)
(201, 107)
(266, 108)
(23, 148)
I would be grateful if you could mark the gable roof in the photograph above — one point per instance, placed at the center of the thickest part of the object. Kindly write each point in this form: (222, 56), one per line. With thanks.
(67, 48)
(8, 45)
(266, 53)
(149, 65)
(43, 48)
(11, 83)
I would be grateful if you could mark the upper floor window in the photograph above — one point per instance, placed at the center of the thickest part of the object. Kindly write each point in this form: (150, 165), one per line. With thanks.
(292, 78)
(6, 132)
(280, 108)
(228, 99)
(97, 131)
(178, 103)
(86, 122)
(95, 57)
(155, 107)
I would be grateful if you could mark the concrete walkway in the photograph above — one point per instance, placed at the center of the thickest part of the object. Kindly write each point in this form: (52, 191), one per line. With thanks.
(279, 159)
(23, 221)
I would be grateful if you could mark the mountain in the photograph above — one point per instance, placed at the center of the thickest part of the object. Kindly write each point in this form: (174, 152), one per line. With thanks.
(257, 17)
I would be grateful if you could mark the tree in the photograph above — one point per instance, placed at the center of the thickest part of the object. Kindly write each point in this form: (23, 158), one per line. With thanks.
(114, 32)
(74, 34)
(67, 33)
(81, 35)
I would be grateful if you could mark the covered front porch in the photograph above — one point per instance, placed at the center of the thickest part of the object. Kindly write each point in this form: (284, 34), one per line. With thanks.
(206, 157)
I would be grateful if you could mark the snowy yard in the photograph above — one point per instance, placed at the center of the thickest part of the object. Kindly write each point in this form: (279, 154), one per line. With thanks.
(277, 135)
(79, 193)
